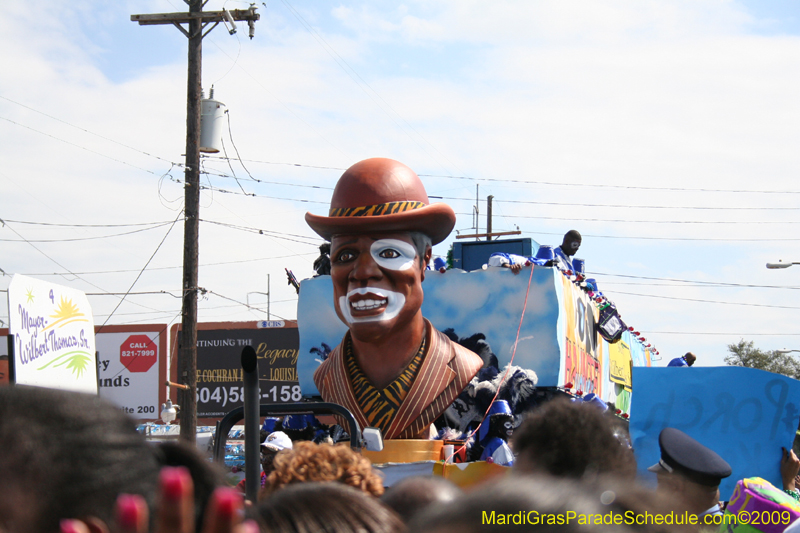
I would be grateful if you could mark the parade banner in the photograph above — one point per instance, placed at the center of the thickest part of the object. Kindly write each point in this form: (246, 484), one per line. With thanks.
(620, 363)
(132, 368)
(220, 379)
(744, 414)
(53, 331)
(581, 346)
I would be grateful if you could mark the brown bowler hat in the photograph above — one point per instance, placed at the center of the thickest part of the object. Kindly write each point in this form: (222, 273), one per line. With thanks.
(382, 195)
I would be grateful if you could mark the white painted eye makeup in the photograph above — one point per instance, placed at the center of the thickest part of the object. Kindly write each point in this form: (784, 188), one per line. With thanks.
(393, 254)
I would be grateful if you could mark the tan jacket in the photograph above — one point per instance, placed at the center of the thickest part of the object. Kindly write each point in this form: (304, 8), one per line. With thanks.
(445, 372)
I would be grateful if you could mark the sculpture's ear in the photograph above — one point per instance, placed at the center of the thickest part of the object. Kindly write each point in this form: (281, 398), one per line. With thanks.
(426, 260)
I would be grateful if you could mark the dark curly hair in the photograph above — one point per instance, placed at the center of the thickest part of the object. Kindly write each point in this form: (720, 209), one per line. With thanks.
(573, 439)
(323, 462)
(325, 508)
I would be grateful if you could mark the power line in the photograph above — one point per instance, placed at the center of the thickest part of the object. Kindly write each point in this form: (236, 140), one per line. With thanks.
(560, 184)
(698, 285)
(140, 293)
(171, 267)
(256, 195)
(528, 202)
(219, 174)
(65, 268)
(700, 282)
(85, 238)
(606, 185)
(707, 301)
(90, 132)
(210, 187)
(318, 167)
(665, 238)
(241, 303)
(268, 233)
(629, 206)
(143, 269)
(161, 222)
(81, 147)
(649, 221)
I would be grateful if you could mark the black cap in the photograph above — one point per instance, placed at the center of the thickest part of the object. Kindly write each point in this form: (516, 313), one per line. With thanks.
(683, 455)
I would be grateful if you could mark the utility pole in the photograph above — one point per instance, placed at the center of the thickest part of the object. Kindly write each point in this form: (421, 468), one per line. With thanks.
(489, 217)
(488, 233)
(196, 21)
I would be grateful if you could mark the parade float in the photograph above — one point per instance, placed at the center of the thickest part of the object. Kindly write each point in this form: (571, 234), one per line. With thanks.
(540, 332)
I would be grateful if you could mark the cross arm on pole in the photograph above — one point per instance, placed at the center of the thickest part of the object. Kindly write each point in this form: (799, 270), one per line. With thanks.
(184, 18)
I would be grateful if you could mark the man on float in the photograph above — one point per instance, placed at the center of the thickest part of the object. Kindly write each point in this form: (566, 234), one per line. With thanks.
(569, 246)
(393, 370)
(686, 360)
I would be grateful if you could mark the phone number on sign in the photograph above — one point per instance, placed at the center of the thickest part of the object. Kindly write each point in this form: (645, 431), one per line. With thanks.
(223, 395)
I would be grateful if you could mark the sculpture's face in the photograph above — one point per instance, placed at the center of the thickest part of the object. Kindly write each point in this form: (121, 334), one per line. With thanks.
(377, 282)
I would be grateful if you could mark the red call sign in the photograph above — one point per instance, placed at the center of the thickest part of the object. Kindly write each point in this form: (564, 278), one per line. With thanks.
(138, 353)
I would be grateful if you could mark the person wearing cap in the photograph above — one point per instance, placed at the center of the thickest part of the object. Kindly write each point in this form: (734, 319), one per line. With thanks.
(687, 360)
(393, 370)
(273, 443)
(500, 428)
(690, 472)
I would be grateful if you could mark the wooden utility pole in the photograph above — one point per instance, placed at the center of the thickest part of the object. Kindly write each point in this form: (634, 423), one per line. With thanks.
(489, 217)
(196, 21)
(488, 233)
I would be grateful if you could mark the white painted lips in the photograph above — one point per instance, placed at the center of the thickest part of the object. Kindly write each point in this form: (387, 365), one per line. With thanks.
(368, 299)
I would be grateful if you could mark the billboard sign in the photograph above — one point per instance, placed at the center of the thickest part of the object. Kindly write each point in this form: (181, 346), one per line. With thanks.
(132, 368)
(220, 380)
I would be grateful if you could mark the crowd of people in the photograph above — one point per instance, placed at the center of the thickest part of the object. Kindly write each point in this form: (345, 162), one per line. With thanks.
(75, 463)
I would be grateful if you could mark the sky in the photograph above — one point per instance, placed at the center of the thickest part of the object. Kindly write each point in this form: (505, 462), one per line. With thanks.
(666, 132)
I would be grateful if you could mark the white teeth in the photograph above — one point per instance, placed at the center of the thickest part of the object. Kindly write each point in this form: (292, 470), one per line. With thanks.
(363, 305)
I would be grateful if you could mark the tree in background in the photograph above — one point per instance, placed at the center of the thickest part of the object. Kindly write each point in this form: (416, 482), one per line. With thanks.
(745, 354)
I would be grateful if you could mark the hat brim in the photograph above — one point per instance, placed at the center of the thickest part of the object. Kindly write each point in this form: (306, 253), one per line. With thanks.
(272, 447)
(656, 468)
(434, 220)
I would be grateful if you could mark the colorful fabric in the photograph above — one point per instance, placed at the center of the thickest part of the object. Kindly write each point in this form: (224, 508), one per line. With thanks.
(501, 259)
(768, 509)
(564, 261)
(499, 451)
(389, 208)
(380, 405)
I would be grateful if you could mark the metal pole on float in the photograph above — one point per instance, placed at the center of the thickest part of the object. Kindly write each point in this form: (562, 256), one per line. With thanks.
(252, 446)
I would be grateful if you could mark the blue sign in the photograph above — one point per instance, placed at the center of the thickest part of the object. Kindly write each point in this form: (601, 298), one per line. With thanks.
(744, 414)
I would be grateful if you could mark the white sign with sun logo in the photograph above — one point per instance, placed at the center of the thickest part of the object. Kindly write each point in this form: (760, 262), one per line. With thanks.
(53, 332)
